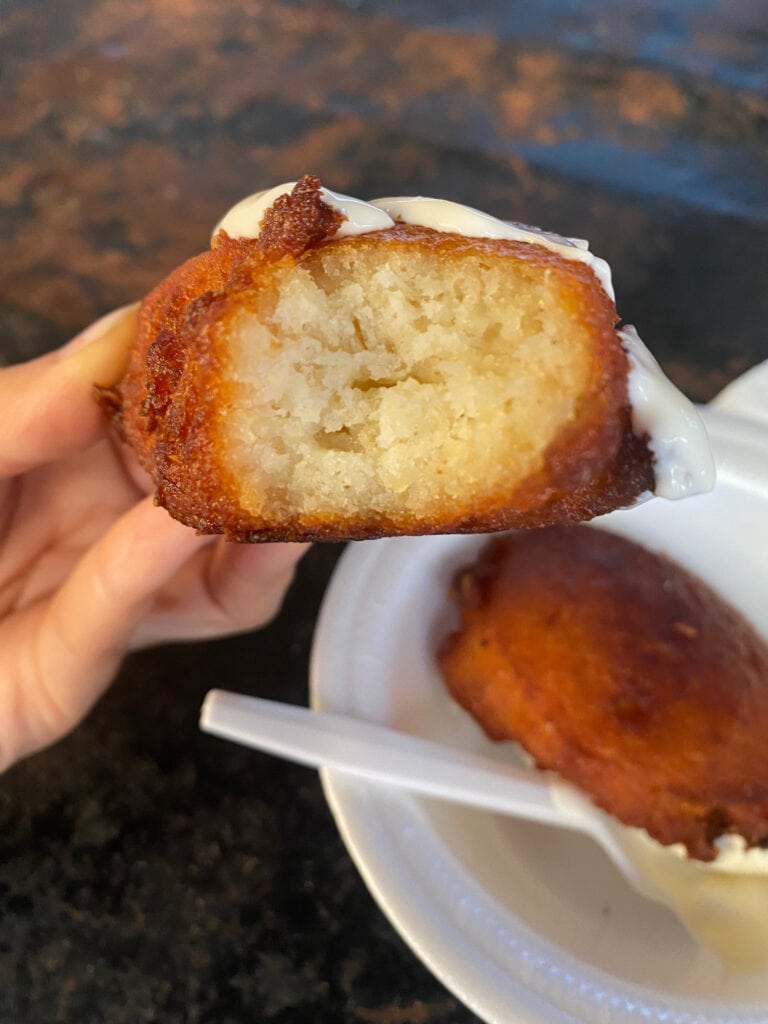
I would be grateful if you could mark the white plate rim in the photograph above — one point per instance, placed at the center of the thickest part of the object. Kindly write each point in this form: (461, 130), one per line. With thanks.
(359, 809)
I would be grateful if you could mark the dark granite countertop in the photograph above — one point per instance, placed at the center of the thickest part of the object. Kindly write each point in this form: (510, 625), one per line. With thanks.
(149, 873)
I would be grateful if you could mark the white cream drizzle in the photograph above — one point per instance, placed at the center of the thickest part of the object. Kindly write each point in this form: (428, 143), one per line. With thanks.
(677, 437)
(723, 903)
(244, 219)
(443, 215)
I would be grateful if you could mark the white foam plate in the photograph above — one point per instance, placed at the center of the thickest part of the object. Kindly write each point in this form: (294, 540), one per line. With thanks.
(526, 923)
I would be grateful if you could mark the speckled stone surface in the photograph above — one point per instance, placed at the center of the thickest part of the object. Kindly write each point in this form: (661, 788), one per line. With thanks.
(148, 873)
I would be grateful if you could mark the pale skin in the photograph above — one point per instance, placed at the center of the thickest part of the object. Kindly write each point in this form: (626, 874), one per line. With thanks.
(90, 568)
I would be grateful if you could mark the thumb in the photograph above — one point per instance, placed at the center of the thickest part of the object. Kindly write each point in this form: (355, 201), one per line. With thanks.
(48, 406)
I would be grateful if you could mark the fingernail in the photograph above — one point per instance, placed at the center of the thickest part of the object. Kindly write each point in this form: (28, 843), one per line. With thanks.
(95, 331)
(100, 355)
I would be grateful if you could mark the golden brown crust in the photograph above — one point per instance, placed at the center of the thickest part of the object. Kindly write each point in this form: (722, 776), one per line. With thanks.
(161, 416)
(623, 673)
(177, 378)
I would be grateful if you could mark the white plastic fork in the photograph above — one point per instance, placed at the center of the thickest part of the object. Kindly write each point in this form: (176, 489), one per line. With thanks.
(378, 754)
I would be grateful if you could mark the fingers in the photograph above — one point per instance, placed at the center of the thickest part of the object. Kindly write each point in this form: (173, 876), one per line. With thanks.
(247, 582)
(86, 629)
(48, 405)
(227, 588)
(149, 578)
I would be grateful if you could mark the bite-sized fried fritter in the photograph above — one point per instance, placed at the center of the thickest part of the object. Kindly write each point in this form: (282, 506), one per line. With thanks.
(311, 384)
(622, 672)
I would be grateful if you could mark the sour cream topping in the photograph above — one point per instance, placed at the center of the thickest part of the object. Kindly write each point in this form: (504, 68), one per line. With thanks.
(723, 903)
(244, 219)
(677, 437)
(443, 215)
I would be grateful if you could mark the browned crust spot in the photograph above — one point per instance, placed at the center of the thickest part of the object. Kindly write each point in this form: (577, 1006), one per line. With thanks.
(298, 221)
(624, 673)
(111, 402)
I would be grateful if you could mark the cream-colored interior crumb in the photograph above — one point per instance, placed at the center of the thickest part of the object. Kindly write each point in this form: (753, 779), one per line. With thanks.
(398, 384)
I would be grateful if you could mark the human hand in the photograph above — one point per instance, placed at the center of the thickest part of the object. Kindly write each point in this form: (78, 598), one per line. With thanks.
(89, 567)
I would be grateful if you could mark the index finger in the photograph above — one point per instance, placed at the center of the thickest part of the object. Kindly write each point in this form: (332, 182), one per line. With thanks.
(48, 408)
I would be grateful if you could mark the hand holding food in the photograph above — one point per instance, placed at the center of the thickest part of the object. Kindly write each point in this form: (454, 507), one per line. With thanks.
(90, 567)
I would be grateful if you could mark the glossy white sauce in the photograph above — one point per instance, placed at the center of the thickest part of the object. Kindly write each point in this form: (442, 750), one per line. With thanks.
(442, 215)
(244, 219)
(723, 903)
(677, 437)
